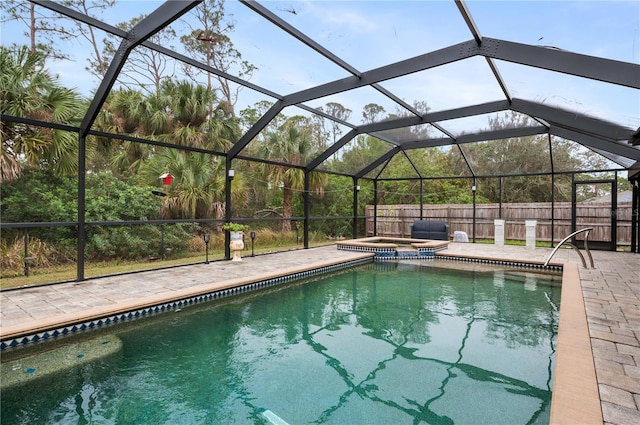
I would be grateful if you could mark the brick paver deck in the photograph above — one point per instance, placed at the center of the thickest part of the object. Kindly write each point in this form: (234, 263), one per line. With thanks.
(611, 294)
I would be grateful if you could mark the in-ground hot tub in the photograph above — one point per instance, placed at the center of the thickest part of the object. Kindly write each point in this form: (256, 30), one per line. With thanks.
(386, 248)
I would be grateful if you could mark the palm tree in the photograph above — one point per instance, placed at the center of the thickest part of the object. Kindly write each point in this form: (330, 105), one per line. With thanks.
(198, 187)
(290, 144)
(178, 114)
(195, 118)
(128, 112)
(26, 90)
(192, 193)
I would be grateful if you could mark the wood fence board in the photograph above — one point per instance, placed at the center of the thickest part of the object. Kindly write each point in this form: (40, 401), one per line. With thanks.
(396, 220)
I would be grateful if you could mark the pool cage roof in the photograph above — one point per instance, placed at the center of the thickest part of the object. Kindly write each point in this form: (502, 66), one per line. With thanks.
(427, 62)
(564, 70)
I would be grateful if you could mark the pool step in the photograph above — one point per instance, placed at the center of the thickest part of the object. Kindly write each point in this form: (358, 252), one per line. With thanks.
(65, 357)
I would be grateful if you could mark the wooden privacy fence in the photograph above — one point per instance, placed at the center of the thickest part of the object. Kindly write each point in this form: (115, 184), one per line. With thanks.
(396, 220)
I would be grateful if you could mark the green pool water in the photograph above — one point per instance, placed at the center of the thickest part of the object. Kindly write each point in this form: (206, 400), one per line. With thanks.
(378, 344)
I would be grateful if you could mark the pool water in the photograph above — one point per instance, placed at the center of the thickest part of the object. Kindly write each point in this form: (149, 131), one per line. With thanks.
(378, 344)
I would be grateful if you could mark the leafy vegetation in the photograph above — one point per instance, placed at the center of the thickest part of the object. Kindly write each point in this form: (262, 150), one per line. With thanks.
(234, 227)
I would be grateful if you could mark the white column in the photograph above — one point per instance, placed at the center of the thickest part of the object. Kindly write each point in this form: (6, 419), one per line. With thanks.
(498, 232)
(530, 226)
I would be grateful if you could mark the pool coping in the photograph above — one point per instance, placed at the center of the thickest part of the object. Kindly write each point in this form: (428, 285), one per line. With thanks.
(575, 398)
(575, 395)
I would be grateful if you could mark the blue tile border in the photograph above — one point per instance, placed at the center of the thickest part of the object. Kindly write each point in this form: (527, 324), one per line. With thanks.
(508, 263)
(404, 255)
(169, 306)
(387, 253)
(375, 250)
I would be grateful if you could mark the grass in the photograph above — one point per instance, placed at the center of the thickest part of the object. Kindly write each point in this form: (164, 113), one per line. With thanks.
(67, 272)
(539, 244)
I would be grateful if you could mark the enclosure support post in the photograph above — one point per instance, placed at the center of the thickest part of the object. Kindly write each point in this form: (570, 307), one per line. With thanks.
(227, 206)
(614, 212)
(473, 225)
(574, 206)
(500, 200)
(375, 208)
(421, 199)
(553, 190)
(81, 206)
(307, 208)
(356, 188)
(553, 207)
(635, 207)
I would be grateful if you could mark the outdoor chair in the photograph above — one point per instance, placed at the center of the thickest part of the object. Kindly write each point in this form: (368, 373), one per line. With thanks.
(430, 229)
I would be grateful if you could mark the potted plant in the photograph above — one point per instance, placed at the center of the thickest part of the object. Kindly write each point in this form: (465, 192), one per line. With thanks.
(236, 241)
(234, 227)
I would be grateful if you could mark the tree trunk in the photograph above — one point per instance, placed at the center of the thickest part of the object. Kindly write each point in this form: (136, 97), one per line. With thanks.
(33, 29)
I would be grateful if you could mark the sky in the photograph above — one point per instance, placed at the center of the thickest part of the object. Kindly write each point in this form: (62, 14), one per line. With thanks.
(370, 34)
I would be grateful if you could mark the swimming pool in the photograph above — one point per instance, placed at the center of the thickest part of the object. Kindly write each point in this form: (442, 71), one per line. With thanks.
(380, 343)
